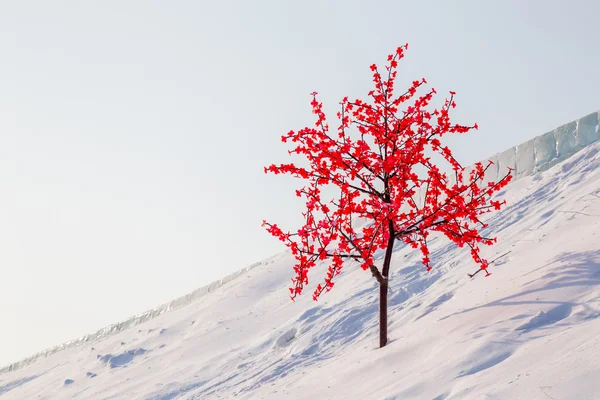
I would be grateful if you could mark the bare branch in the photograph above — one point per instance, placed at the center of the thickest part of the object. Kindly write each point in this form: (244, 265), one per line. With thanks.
(490, 263)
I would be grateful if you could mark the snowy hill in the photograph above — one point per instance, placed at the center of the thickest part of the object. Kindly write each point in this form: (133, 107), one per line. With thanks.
(529, 331)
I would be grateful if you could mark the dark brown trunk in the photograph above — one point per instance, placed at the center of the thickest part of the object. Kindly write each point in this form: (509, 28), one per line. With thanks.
(383, 289)
(383, 311)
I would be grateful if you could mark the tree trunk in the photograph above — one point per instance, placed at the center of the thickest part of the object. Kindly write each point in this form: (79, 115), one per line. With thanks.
(383, 313)
(383, 289)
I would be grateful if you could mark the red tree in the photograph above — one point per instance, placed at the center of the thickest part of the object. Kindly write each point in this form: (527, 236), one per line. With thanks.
(377, 171)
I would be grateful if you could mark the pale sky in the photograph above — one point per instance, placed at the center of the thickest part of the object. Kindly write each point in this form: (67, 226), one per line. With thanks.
(133, 133)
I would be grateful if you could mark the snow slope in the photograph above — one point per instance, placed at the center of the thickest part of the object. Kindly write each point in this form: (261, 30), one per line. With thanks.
(529, 331)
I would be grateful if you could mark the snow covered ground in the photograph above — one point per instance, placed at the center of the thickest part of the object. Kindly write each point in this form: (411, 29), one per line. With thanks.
(529, 331)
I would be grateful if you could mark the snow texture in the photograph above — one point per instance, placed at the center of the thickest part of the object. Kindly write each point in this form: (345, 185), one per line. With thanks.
(120, 360)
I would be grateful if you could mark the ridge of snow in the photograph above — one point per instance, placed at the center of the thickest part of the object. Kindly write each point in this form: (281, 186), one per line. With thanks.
(139, 318)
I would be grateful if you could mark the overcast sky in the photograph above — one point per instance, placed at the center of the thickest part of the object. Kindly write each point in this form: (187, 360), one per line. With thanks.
(133, 133)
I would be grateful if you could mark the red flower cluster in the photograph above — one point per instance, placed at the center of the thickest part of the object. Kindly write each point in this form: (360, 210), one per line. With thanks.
(379, 161)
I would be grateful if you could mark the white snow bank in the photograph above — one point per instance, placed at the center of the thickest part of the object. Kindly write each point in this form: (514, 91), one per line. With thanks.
(137, 319)
(542, 152)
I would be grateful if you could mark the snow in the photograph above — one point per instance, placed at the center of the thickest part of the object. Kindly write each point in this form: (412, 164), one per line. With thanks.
(120, 360)
(546, 150)
(525, 159)
(135, 320)
(529, 331)
(566, 139)
(507, 159)
(587, 130)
